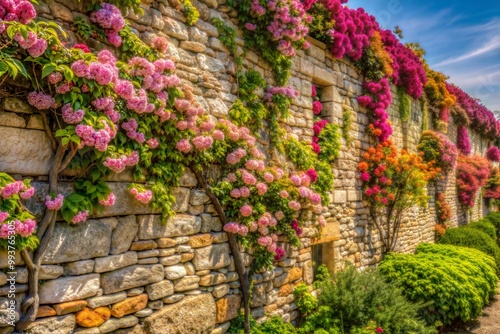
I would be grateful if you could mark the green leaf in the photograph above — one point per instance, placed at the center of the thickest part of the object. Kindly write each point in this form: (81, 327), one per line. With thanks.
(47, 69)
(61, 133)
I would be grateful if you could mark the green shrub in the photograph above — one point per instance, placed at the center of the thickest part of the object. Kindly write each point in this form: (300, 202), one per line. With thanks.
(472, 238)
(494, 218)
(456, 281)
(486, 226)
(354, 300)
(270, 326)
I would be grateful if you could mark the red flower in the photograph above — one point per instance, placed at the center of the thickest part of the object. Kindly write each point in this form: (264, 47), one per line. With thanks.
(316, 148)
(82, 47)
(379, 330)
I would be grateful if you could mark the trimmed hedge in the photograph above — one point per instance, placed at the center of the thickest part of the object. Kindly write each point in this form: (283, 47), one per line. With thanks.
(455, 282)
(472, 238)
(494, 218)
(486, 226)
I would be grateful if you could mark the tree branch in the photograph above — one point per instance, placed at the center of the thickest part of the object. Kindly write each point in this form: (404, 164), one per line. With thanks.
(233, 245)
(48, 131)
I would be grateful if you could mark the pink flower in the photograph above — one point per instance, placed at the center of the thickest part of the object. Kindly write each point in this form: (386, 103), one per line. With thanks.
(144, 197)
(117, 165)
(235, 193)
(313, 91)
(80, 217)
(296, 180)
(304, 192)
(248, 178)
(315, 199)
(109, 201)
(365, 177)
(322, 221)
(279, 173)
(160, 44)
(70, 116)
(261, 188)
(384, 200)
(153, 142)
(232, 228)
(379, 330)
(25, 12)
(203, 142)
(246, 210)
(369, 191)
(268, 177)
(253, 226)
(54, 204)
(28, 193)
(218, 135)
(55, 77)
(38, 48)
(312, 174)
(10, 189)
(41, 101)
(243, 230)
(280, 252)
(3, 216)
(294, 205)
(245, 192)
(317, 107)
(250, 26)
(264, 241)
(284, 194)
(184, 146)
(25, 229)
(279, 215)
(231, 177)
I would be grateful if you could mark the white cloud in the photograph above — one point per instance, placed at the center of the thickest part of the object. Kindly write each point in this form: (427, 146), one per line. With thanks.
(492, 45)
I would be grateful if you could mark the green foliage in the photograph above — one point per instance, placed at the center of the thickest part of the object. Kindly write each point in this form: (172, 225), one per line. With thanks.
(227, 35)
(87, 30)
(353, 300)
(190, 12)
(472, 238)
(346, 125)
(329, 140)
(133, 46)
(404, 104)
(486, 226)
(455, 282)
(272, 325)
(494, 218)
(321, 23)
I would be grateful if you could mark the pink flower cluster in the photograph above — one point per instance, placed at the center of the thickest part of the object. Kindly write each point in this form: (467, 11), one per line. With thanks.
(41, 101)
(482, 119)
(70, 116)
(16, 10)
(110, 18)
(109, 201)
(54, 203)
(408, 70)
(236, 228)
(25, 229)
(16, 187)
(463, 140)
(317, 107)
(96, 138)
(273, 91)
(493, 154)
(160, 44)
(296, 227)
(80, 217)
(378, 100)
(35, 46)
(286, 23)
(118, 164)
(142, 196)
(317, 128)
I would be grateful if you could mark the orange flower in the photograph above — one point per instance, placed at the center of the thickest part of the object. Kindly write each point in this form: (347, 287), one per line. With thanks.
(362, 166)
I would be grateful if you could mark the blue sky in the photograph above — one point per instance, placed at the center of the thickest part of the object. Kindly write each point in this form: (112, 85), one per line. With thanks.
(462, 38)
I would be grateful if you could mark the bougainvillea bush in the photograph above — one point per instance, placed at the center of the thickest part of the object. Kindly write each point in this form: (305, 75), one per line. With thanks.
(393, 182)
(472, 175)
(438, 150)
(492, 188)
(493, 154)
(443, 209)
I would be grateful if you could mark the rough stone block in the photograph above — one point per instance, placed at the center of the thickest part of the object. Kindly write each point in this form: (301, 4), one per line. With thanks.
(123, 234)
(60, 325)
(131, 277)
(25, 152)
(69, 288)
(194, 314)
(227, 308)
(151, 227)
(212, 257)
(86, 240)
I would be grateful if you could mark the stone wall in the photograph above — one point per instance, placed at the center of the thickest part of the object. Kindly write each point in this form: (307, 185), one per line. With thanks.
(179, 277)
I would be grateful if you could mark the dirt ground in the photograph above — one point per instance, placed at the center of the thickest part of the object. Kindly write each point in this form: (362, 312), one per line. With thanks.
(489, 323)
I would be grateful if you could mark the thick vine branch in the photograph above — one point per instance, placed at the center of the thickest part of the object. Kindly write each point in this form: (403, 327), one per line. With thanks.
(233, 245)
(30, 304)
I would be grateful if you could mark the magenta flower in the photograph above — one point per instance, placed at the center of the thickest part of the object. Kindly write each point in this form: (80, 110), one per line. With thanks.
(246, 210)
(54, 204)
(80, 217)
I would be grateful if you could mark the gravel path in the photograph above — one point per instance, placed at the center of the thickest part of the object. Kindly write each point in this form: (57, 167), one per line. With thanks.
(489, 323)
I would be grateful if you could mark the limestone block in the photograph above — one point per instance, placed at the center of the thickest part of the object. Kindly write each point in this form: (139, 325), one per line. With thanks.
(96, 302)
(116, 323)
(217, 107)
(131, 277)
(11, 119)
(67, 289)
(212, 257)
(129, 305)
(209, 64)
(26, 152)
(123, 234)
(194, 314)
(61, 325)
(151, 227)
(86, 240)
(114, 262)
(160, 290)
(227, 308)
